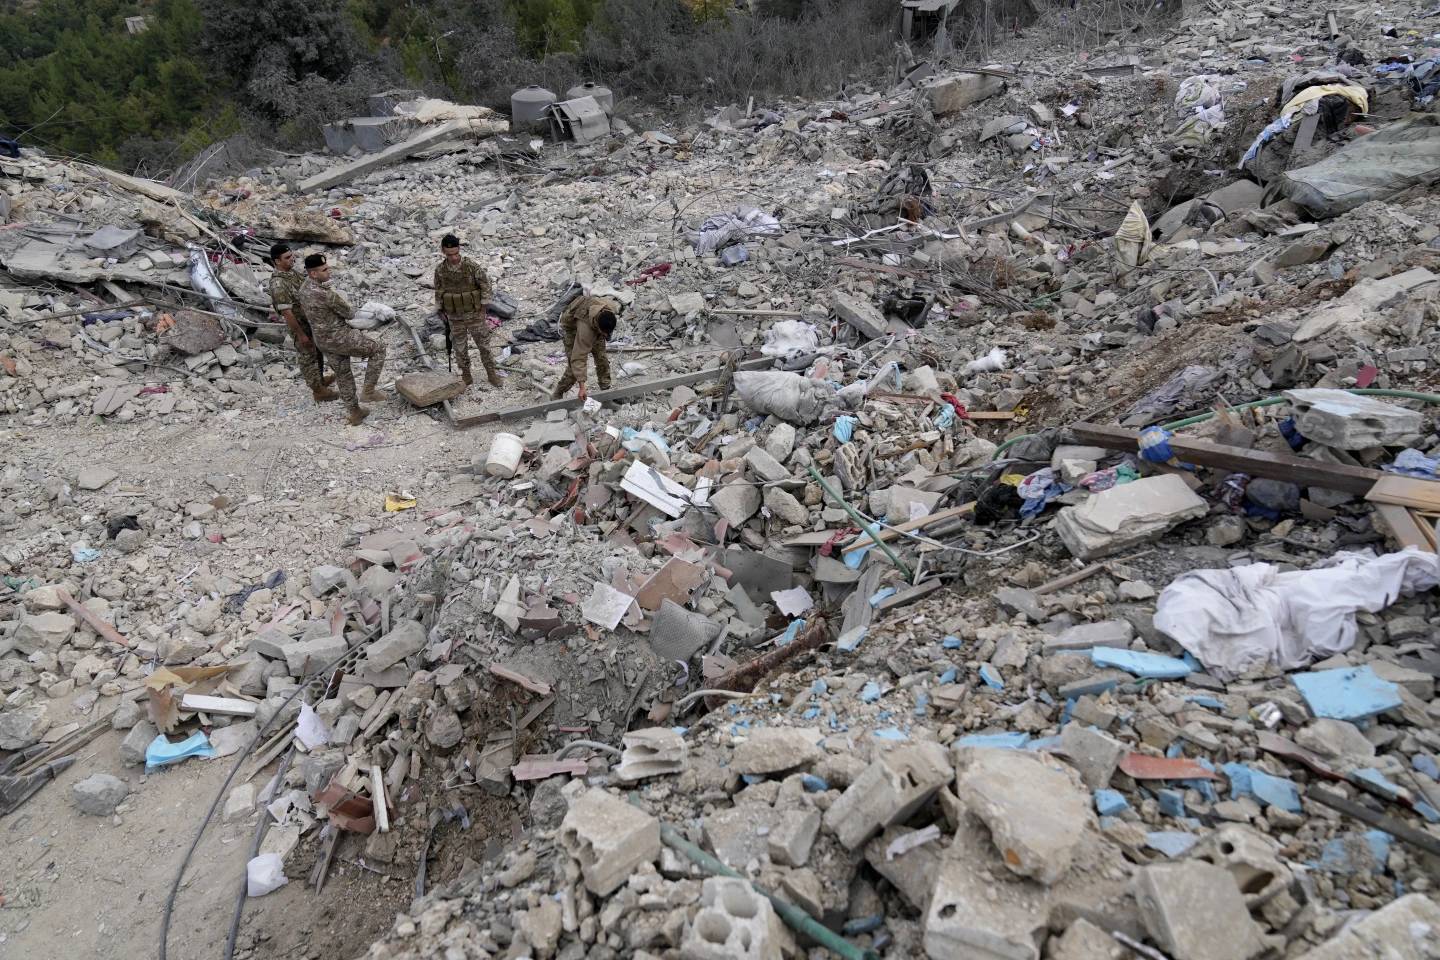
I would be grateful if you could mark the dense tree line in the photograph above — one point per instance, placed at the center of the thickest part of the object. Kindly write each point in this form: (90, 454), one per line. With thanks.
(73, 79)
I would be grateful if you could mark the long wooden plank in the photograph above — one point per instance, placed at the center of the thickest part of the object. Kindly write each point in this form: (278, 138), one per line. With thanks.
(1403, 526)
(1406, 492)
(1257, 463)
(621, 393)
(891, 532)
(99, 626)
(426, 137)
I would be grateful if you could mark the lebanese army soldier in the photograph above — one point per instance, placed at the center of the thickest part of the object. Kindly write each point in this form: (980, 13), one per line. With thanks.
(327, 313)
(587, 323)
(461, 292)
(284, 285)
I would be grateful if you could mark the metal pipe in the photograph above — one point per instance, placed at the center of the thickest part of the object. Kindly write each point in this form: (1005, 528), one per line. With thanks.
(864, 524)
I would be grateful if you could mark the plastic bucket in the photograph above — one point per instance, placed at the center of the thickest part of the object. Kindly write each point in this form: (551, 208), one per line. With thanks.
(504, 459)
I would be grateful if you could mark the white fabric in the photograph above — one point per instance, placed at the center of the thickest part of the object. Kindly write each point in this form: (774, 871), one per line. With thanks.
(789, 396)
(790, 336)
(1247, 617)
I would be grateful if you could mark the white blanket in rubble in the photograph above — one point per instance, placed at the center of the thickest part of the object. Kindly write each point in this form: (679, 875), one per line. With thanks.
(1247, 617)
(371, 316)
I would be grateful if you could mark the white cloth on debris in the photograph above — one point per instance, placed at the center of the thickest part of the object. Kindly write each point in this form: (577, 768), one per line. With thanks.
(723, 229)
(1246, 617)
(789, 396)
(790, 337)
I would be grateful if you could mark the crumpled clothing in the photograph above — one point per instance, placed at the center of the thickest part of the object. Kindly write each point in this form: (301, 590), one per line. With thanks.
(1102, 480)
(1422, 75)
(1310, 95)
(1413, 463)
(1254, 616)
(722, 229)
(1187, 385)
(1196, 93)
(1037, 490)
(1132, 240)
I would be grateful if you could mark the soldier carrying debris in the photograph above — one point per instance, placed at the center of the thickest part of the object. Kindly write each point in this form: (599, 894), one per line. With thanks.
(461, 291)
(284, 286)
(328, 312)
(588, 323)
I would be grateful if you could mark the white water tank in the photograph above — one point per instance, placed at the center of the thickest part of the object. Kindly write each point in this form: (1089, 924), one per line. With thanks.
(527, 108)
(603, 95)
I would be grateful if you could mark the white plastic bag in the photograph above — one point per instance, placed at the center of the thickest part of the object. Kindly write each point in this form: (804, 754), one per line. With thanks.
(990, 363)
(265, 874)
(790, 336)
(372, 315)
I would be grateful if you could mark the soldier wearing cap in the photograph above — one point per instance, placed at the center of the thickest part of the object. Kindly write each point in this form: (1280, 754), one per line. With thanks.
(461, 292)
(284, 286)
(328, 313)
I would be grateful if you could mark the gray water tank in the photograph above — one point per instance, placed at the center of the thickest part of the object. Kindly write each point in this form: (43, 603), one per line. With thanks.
(603, 95)
(527, 108)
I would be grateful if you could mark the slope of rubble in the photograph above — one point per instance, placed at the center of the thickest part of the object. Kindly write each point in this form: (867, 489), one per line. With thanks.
(1096, 692)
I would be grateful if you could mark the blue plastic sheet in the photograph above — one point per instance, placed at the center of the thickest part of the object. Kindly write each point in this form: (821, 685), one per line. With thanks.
(162, 753)
(1349, 693)
(1154, 666)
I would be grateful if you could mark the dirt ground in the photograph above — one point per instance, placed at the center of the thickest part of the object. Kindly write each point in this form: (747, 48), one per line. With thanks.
(298, 492)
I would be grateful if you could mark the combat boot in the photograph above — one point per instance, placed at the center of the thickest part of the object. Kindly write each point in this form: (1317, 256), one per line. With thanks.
(323, 394)
(372, 395)
(357, 416)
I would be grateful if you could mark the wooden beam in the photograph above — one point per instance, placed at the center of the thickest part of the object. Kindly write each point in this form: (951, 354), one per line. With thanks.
(1409, 492)
(425, 137)
(99, 626)
(1257, 463)
(900, 529)
(621, 393)
(1403, 527)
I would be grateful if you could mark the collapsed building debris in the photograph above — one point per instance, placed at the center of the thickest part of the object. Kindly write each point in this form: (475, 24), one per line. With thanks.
(850, 614)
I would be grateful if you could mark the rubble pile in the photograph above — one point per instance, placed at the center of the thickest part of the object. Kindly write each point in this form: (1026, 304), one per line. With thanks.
(1012, 530)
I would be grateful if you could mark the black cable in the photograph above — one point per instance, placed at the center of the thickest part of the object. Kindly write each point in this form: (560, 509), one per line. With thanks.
(260, 830)
(225, 787)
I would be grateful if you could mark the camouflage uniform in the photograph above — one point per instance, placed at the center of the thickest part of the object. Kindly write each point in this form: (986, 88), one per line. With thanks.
(461, 293)
(327, 312)
(584, 339)
(284, 286)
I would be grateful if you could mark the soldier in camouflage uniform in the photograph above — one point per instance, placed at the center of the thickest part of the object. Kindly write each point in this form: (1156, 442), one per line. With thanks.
(284, 285)
(461, 292)
(587, 323)
(327, 312)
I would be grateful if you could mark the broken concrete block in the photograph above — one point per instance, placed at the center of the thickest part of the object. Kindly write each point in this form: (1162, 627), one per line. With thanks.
(1252, 858)
(781, 442)
(736, 502)
(912, 872)
(770, 750)
(1083, 636)
(324, 579)
(734, 922)
(1194, 911)
(682, 304)
(610, 838)
(22, 727)
(1083, 940)
(94, 478)
(1036, 812)
(1093, 753)
(540, 926)
(653, 752)
(406, 638)
(305, 656)
(1407, 929)
(791, 838)
(43, 631)
(99, 794)
(444, 729)
(953, 93)
(1348, 421)
(967, 919)
(784, 507)
(1361, 303)
(862, 316)
(426, 387)
(737, 835)
(765, 467)
(892, 788)
(1128, 514)
(132, 747)
(240, 803)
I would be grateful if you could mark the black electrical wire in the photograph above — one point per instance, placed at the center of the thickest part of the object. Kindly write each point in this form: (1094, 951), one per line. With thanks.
(225, 787)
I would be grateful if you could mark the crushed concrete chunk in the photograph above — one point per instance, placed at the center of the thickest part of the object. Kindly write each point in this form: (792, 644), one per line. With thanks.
(770, 750)
(1127, 514)
(653, 752)
(892, 788)
(1194, 911)
(1036, 813)
(610, 838)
